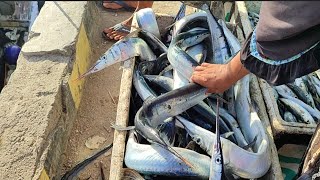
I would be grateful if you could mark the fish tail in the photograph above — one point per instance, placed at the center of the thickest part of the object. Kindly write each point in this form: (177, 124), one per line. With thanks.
(180, 157)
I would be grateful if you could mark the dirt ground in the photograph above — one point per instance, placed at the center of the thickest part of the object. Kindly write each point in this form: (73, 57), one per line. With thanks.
(99, 103)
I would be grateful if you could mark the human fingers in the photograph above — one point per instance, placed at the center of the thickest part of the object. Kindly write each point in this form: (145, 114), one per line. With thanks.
(205, 64)
(199, 79)
(199, 68)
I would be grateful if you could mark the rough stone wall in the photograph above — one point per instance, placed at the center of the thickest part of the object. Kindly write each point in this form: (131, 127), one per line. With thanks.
(37, 106)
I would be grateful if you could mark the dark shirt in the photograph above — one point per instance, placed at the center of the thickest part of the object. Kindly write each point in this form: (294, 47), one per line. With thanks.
(285, 30)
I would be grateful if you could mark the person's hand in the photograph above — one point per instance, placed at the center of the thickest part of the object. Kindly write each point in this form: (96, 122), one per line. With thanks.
(215, 77)
(219, 77)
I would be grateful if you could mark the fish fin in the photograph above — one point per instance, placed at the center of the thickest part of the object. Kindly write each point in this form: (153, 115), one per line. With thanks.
(227, 134)
(122, 128)
(250, 145)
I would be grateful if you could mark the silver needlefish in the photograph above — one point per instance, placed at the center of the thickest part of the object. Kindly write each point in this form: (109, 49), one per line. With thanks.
(181, 61)
(236, 160)
(152, 135)
(301, 90)
(205, 111)
(199, 53)
(298, 111)
(156, 160)
(165, 82)
(313, 111)
(141, 86)
(216, 165)
(121, 51)
(190, 38)
(181, 13)
(180, 25)
(284, 89)
(146, 20)
(173, 103)
(217, 37)
(233, 42)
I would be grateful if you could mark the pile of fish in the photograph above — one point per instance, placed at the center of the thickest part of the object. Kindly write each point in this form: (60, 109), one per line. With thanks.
(174, 132)
(298, 101)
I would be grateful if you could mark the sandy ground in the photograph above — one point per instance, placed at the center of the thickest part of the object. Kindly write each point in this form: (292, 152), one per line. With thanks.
(99, 104)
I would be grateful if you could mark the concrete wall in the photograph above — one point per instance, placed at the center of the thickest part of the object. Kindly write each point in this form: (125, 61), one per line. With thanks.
(38, 105)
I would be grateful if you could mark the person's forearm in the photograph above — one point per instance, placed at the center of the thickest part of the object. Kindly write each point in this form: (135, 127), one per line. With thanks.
(236, 69)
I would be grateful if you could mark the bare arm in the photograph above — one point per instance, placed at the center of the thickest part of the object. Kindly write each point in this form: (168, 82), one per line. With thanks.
(219, 77)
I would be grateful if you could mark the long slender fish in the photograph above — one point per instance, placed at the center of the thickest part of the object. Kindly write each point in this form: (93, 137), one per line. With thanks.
(165, 82)
(205, 111)
(190, 38)
(300, 88)
(146, 20)
(216, 165)
(144, 129)
(313, 111)
(197, 52)
(121, 51)
(236, 160)
(173, 103)
(219, 43)
(233, 42)
(298, 111)
(156, 160)
(181, 61)
(284, 89)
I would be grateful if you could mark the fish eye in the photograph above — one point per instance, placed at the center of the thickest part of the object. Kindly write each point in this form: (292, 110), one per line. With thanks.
(198, 140)
(218, 160)
(169, 107)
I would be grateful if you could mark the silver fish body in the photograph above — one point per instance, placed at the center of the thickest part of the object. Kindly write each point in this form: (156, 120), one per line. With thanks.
(289, 117)
(121, 51)
(302, 91)
(143, 127)
(181, 61)
(313, 111)
(190, 38)
(241, 141)
(298, 111)
(233, 42)
(174, 102)
(155, 160)
(141, 86)
(165, 82)
(198, 52)
(219, 43)
(236, 160)
(284, 89)
(179, 80)
(146, 20)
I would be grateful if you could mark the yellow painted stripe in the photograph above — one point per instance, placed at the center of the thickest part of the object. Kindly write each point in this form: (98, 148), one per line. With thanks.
(44, 175)
(81, 64)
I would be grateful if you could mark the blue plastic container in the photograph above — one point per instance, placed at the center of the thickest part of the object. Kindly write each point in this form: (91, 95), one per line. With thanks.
(11, 54)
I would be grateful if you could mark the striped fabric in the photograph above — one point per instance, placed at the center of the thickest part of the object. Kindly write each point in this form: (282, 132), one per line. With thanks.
(290, 157)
